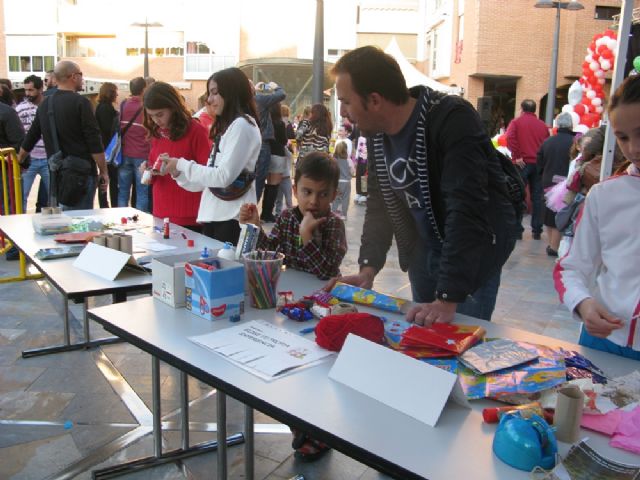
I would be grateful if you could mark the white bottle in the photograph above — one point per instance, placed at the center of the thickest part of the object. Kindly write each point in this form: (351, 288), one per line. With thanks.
(227, 252)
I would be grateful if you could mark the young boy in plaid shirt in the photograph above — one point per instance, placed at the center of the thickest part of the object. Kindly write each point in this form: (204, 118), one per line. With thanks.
(311, 237)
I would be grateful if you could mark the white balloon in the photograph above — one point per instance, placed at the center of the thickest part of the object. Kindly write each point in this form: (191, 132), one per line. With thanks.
(575, 117)
(596, 102)
(594, 66)
(567, 108)
(581, 128)
(605, 64)
(601, 81)
(589, 51)
(599, 109)
(575, 93)
(601, 41)
(612, 43)
(591, 93)
(588, 58)
(599, 73)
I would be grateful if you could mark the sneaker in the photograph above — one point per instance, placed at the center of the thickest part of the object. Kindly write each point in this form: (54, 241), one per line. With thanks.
(551, 252)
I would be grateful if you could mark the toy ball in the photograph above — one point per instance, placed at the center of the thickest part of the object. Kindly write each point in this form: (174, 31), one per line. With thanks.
(525, 443)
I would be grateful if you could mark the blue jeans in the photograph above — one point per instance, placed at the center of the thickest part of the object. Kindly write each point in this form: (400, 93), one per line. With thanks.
(604, 345)
(284, 192)
(86, 203)
(532, 178)
(39, 166)
(262, 167)
(127, 172)
(423, 275)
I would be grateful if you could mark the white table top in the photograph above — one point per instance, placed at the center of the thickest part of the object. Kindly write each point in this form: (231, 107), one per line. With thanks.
(75, 282)
(458, 447)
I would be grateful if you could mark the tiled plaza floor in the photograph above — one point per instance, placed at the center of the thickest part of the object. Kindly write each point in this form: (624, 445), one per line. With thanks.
(60, 415)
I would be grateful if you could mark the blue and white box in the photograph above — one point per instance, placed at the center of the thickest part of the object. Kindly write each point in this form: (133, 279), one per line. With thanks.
(214, 289)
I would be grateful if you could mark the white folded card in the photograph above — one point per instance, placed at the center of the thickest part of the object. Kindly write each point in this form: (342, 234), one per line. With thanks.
(403, 383)
(104, 262)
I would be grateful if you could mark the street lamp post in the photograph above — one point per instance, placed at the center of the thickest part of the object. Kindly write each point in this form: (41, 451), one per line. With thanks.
(551, 96)
(146, 26)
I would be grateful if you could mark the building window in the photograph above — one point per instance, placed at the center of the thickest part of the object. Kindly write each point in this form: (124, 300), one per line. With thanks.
(606, 13)
(198, 48)
(434, 52)
(26, 63)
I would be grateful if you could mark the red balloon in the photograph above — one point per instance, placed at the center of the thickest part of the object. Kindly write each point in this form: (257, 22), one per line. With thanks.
(597, 36)
(610, 33)
(601, 49)
(607, 54)
(592, 46)
(579, 109)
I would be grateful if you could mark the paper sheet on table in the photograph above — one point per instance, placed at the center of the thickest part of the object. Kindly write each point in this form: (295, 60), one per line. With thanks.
(153, 246)
(263, 349)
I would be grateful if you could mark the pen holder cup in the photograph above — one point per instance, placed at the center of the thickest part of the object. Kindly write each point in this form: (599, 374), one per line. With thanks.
(263, 271)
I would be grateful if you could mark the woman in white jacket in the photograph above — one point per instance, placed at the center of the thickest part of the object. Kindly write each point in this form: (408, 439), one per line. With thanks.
(598, 279)
(226, 182)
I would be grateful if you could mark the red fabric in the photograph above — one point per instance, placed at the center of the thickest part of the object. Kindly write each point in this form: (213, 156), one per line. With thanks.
(444, 336)
(136, 143)
(525, 135)
(332, 330)
(169, 199)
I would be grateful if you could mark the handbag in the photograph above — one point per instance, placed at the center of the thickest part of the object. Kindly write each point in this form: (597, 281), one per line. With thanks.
(69, 174)
(566, 216)
(113, 152)
(238, 187)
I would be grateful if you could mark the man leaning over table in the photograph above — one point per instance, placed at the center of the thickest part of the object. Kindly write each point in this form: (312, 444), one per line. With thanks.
(77, 129)
(434, 183)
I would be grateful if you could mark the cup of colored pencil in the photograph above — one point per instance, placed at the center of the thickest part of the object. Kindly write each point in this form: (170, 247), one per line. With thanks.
(263, 271)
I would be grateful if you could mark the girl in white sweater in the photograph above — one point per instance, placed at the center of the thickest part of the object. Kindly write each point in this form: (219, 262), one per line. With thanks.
(226, 182)
(598, 279)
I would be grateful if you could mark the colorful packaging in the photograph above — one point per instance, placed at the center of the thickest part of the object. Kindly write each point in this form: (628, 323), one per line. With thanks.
(214, 289)
(371, 298)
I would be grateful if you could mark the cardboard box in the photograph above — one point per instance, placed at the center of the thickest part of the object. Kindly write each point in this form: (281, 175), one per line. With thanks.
(214, 289)
(168, 278)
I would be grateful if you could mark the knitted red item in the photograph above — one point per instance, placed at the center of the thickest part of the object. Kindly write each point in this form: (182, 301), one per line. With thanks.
(332, 330)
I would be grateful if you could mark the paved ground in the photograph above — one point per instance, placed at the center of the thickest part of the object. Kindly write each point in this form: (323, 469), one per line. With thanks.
(63, 415)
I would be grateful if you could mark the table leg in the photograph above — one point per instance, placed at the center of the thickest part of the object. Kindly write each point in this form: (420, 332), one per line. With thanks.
(67, 336)
(184, 407)
(155, 400)
(85, 319)
(221, 407)
(249, 443)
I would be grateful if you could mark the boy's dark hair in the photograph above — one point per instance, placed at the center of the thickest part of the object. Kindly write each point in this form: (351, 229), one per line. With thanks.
(137, 86)
(528, 105)
(36, 80)
(373, 71)
(320, 167)
(627, 92)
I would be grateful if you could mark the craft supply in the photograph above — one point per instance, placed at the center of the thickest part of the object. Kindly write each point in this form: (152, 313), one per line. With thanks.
(440, 339)
(569, 413)
(349, 293)
(165, 228)
(113, 241)
(126, 244)
(304, 331)
(496, 355)
(191, 243)
(284, 298)
(146, 178)
(227, 252)
(248, 239)
(263, 271)
(100, 240)
(493, 414)
(205, 253)
(332, 330)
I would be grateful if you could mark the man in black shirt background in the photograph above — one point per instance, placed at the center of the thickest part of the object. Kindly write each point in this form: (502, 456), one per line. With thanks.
(77, 129)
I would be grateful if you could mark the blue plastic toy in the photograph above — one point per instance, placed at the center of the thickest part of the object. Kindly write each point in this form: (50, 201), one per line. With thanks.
(525, 443)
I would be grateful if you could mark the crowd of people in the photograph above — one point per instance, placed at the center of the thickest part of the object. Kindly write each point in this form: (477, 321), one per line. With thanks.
(424, 167)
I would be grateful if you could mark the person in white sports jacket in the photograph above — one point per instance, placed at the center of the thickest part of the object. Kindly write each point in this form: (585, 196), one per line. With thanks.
(227, 181)
(599, 278)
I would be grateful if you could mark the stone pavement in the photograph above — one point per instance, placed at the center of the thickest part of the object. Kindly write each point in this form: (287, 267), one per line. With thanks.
(63, 415)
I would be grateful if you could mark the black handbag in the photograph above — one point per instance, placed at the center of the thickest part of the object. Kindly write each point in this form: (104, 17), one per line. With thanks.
(238, 187)
(69, 174)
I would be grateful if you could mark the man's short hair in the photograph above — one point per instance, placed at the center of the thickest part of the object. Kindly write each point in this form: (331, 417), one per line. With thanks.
(320, 167)
(137, 86)
(373, 71)
(528, 105)
(564, 120)
(36, 80)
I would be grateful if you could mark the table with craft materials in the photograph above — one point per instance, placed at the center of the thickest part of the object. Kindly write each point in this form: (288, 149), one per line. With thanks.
(78, 285)
(459, 446)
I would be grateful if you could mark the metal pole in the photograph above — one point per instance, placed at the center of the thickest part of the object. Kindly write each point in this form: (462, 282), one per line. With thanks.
(551, 97)
(624, 30)
(146, 48)
(318, 55)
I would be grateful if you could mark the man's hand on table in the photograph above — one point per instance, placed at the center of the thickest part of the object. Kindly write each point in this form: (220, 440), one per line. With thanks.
(364, 279)
(427, 314)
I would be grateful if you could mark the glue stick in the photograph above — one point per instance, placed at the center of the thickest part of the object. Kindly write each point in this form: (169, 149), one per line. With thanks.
(492, 415)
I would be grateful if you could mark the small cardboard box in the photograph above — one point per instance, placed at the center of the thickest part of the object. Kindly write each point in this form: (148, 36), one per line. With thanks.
(168, 278)
(214, 288)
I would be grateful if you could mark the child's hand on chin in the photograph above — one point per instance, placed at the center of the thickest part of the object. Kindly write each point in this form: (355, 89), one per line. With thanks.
(308, 226)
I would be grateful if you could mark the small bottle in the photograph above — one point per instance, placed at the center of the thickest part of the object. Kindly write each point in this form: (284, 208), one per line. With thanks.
(227, 252)
(146, 178)
(205, 253)
(165, 228)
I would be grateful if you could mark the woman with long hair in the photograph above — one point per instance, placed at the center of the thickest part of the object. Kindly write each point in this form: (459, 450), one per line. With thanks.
(277, 163)
(227, 181)
(107, 118)
(173, 134)
(314, 134)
